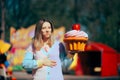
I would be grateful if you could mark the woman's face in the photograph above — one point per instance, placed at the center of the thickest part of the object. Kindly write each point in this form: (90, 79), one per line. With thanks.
(46, 30)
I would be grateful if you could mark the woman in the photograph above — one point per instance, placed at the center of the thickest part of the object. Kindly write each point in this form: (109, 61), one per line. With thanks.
(42, 56)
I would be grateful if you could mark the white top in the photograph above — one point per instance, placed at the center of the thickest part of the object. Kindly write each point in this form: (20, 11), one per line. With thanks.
(48, 73)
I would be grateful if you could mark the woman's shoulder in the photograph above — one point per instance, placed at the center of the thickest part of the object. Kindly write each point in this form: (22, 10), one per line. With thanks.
(59, 43)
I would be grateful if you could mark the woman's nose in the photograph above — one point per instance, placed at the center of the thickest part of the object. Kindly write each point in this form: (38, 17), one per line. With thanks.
(47, 30)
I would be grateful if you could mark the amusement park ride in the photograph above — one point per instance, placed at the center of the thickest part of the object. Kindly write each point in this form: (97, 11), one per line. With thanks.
(96, 59)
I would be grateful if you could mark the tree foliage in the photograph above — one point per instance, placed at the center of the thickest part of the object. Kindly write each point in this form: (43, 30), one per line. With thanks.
(99, 18)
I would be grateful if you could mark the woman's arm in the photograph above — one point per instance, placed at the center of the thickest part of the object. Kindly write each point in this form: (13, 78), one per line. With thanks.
(29, 62)
(65, 58)
(64, 53)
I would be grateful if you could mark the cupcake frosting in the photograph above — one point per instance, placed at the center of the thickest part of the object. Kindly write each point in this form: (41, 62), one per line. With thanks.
(76, 33)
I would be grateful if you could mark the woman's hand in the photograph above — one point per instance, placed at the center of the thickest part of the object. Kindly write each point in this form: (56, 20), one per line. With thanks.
(48, 62)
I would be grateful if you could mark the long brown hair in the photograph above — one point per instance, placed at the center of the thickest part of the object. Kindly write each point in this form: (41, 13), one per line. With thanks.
(38, 36)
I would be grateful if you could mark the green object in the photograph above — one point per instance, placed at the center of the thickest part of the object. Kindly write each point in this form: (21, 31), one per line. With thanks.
(17, 68)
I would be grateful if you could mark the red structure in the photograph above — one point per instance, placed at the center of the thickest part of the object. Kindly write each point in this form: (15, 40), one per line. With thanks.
(99, 59)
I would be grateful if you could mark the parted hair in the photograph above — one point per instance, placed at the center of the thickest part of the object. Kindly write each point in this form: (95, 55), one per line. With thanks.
(37, 39)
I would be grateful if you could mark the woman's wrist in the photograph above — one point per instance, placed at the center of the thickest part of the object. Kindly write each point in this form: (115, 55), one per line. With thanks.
(39, 63)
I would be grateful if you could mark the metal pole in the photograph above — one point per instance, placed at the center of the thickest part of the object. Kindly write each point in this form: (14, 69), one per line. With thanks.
(3, 18)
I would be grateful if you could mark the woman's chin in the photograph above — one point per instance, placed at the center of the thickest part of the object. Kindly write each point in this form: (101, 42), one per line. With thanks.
(47, 37)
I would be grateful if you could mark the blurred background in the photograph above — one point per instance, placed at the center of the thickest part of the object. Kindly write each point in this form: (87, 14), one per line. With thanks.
(99, 18)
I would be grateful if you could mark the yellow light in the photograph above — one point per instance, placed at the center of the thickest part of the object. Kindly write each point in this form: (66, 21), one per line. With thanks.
(97, 69)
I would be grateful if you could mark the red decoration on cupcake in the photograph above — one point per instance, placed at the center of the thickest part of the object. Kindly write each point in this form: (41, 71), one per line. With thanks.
(76, 27)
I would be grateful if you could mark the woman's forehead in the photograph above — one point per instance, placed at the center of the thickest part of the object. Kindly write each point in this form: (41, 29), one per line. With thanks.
(45, 24)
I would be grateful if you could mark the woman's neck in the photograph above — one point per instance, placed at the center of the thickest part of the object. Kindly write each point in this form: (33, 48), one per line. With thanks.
(45, 41)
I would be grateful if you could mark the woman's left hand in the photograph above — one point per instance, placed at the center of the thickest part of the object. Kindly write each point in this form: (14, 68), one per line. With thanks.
(48, 62)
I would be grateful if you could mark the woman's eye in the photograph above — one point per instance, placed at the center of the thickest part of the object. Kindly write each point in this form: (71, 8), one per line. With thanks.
(49, 27)
(43, 27)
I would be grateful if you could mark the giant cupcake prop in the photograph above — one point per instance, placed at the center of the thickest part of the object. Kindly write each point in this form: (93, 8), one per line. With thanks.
(75, 39)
